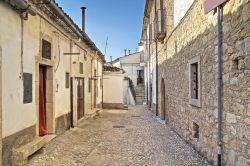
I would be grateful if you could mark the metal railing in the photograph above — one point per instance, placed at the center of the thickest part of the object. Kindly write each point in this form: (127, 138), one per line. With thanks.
(131, 86)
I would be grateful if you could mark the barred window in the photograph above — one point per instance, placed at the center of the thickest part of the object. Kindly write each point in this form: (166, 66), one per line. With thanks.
(194, 82)
(81, 68)
(46, 49)
(89, 85)
(67, 80)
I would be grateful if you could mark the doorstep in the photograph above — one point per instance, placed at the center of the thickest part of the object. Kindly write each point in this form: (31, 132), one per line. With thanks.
(21, 154)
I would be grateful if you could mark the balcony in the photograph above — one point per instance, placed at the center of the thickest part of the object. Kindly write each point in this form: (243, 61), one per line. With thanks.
(159, 25)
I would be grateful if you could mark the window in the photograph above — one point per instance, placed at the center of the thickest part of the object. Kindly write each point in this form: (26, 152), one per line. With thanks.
(85, 56)
(89, 85)
(95, 74)
(194, 82)
(46, 49)
(196, 131)
(67, 80)
(81, 68)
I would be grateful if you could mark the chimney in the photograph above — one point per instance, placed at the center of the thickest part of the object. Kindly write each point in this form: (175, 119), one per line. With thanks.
(128, 52)
(111, 59)
(125, 50)
(83, 18)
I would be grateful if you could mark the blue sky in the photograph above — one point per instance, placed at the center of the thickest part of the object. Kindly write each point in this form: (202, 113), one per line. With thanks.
(119, 20)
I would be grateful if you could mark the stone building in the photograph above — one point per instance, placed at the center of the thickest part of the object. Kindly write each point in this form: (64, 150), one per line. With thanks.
(50, 76)
(184, 40)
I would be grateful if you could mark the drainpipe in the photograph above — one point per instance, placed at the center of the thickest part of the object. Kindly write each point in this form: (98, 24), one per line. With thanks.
(22, 27)
(219, 86)
(156, 65)
(91, 83)
(102, 81)
(71, 90)
(156, 68)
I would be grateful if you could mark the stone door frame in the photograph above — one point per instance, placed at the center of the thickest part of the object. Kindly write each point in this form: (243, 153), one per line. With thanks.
(0, 105)
(163, 100)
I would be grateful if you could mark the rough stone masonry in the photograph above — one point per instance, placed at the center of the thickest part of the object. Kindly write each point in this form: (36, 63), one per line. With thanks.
(195, 38)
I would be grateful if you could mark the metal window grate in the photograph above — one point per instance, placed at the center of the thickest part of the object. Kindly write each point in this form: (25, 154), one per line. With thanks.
(46, 49)
(67, 80)
(81, 68)
(194, 81)
(89, 85)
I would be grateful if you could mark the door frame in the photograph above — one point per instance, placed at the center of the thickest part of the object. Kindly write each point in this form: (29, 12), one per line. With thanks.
(72, 102)
(95, 93)
(50, 95)
(163, 100)
(0, 105)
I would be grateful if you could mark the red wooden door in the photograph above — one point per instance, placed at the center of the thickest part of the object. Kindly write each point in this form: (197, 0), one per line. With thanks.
(42, 101)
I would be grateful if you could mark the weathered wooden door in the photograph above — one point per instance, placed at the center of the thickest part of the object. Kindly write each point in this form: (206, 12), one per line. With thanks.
(95, 93)
(71, 102)
(80, 98)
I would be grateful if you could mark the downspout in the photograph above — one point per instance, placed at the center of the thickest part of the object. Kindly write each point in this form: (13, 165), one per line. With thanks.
(156, 65)
(91, 89)
(156, 68)
(219, 86)
(72, 90)
(102, 81)
(22, 26)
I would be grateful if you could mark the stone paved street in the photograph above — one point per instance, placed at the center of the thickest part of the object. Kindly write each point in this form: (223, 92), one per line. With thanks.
(142, 141)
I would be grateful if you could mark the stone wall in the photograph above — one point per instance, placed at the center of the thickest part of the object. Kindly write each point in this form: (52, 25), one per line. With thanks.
(195, 37)
(15, 141)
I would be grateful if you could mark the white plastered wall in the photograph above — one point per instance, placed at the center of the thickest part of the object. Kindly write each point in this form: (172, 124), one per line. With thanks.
(113, 88)
(16, 115)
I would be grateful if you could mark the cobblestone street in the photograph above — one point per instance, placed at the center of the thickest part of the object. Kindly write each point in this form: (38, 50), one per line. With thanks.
(119, 137)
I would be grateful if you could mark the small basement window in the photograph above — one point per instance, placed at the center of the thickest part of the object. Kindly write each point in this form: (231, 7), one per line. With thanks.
(81, 68)
(196, 131)
(67, 80)
(89, 85)
(194, 82)
(46, 49)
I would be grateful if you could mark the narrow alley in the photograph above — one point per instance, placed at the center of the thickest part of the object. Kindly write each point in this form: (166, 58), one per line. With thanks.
(119, 137)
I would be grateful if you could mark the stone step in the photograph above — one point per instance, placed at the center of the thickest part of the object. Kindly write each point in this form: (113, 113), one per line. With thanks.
(21, 154)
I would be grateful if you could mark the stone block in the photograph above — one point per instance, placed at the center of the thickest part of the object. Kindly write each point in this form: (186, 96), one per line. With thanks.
(247, 121)
(236, 144)
(238, 109)
(242, 161)
(246, 12)
(230, 118)
(247, 45)
(231, 156)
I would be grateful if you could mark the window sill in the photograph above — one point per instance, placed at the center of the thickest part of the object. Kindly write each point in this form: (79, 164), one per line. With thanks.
(195, 102)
